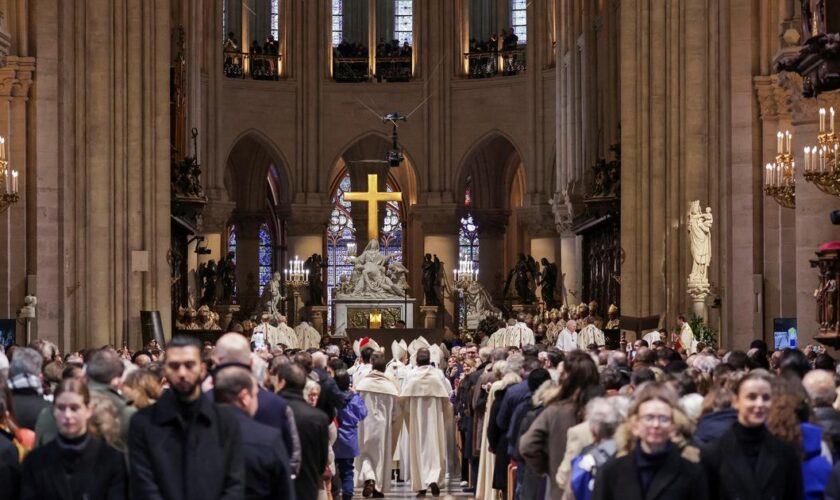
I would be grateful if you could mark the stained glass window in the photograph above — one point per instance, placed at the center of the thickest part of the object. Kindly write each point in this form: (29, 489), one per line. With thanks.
(519, 19)
(231, 246)
(468, 240)
(341, 238)
(275, 19)
(403, 21)
(265, 257)
(337, 22)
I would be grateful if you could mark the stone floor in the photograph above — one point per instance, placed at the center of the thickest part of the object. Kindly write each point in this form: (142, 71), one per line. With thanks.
(403, 491)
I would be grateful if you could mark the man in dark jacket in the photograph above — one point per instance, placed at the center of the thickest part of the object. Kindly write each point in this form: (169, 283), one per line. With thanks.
(185, 447)
(331, 398)
(312, 425)
(267, 472)
(233, 348)
(9, 467)
(819, 384)
(25, 380)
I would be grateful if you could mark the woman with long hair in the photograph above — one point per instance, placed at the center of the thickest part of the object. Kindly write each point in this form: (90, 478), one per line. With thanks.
(544, 444)
(655, 467)
(75, 464)
(747, 461)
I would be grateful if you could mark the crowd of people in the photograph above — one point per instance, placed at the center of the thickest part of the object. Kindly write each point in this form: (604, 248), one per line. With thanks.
(263, 57)
(483, 55)
(512, 414)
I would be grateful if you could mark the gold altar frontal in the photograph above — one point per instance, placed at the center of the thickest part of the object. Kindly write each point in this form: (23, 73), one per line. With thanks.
(373, 317)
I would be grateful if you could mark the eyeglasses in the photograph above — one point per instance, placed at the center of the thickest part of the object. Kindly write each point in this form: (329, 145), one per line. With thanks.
(660, 419)
(176, 365)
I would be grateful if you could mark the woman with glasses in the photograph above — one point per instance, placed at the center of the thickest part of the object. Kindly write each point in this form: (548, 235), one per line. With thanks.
(75, 464)
(654, 468)
(747, 461)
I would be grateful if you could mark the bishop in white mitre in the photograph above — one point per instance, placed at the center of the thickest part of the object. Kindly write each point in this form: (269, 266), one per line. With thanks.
(567, 339)
(307, 336)
(377, 432)
(425, 402)
(517, 334)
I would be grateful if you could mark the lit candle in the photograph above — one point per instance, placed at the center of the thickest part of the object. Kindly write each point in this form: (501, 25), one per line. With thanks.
(805, 156)
(822, 120)
(14, 181)
(767, 174)
(788, 137)
(831, 113)
(2, 149)
(779, 143)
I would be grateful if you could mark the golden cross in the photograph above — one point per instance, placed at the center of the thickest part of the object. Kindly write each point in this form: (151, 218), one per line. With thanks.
(373, 196)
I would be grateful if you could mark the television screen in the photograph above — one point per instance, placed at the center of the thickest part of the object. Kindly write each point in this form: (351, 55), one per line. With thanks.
(7, 333)
(784, 333)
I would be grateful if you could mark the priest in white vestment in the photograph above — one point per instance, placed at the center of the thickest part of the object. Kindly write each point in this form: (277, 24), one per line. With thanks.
(362, 366)
(567, 339)
(377, 432)
(285, 334)
(687, 339)
(497, 338)
(518, 334)
(307, 336)
(398, 370)
(590, 334)
(425, 401)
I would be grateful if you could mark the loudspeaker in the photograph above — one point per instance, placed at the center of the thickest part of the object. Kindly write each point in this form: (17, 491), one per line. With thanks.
(151, 327)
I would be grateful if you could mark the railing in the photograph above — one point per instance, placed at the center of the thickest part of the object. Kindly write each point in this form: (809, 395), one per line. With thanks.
(487, 64)
(393, 69)
(351, 69)
(257, 66)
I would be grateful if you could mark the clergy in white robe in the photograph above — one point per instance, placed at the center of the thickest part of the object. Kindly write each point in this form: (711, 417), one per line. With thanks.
(267, 331)
(377, 432)
(307, 336)
(518, 334)
(687, 339)
(497, 338)
(652, 337)
(398, 370)
(425, 401)
(567, 340)
(285, 335)
(590, 334)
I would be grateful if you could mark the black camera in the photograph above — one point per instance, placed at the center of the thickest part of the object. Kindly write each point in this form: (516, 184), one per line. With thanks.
(395, 158)
(835, 217)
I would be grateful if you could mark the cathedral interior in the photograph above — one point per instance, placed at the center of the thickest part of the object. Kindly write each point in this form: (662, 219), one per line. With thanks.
(155, 146)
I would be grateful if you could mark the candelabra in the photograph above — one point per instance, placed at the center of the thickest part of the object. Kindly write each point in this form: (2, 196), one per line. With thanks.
(296, 278)
(821, 161)
(8, 180)
(465, 274)
(779, 179)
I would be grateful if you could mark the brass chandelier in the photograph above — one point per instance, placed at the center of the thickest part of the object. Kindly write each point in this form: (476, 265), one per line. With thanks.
(779, 179)
(821, 161)
(8, 180)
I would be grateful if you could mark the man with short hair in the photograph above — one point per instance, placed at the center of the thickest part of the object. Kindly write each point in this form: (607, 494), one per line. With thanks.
(273, 411)
(267, 472)
(381, 397)
(819, 384)
(331, 399)
(312, 425)
(185, 447)
(426, 403)
(567, 339)
(687, 340)
(26, 383)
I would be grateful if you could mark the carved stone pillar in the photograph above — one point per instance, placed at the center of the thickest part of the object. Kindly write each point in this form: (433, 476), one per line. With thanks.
(247, 258)
(439, 226)
(306, 226)
(492, 224)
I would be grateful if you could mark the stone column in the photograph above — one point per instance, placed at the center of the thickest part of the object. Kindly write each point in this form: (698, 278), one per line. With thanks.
(247, 259)
(491, 239)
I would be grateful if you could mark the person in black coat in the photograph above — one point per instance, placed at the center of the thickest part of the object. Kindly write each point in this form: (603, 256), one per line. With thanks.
(75, 464)
(654, 469)
(312, 425)
(267, 471)
(9, 469)
(747, 462)
(185, 447)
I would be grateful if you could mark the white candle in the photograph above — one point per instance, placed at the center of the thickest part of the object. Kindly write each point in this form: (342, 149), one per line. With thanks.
(831, 112)
(14, 181)
(822, 120)
(767, 174)
(788, 136)
(779, 143)
(3, 148)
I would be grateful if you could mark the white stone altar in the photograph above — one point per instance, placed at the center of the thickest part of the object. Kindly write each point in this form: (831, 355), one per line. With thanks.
(355, 313)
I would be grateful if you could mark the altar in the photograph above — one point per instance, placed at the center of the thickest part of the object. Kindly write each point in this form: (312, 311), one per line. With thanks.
(355, 313)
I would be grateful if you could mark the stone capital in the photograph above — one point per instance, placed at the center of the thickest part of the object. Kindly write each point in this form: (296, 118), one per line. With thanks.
(436, 219)
(305, 220)
(247, 223)
(491, 222)
(539, 221)
(216, 216)
(16, 76)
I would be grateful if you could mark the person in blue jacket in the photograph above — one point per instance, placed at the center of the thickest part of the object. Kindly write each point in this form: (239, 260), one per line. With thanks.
(346, 447)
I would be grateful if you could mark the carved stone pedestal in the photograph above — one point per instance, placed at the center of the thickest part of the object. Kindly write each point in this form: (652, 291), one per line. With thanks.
(698, 290)
(226, 314)
(429, 315)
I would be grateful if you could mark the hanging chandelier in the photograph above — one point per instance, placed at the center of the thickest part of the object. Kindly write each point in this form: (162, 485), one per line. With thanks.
(821, 165)
(8, 180)
(779, 181)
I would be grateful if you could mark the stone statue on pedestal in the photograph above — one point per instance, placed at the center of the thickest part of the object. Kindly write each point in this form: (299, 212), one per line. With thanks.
(700, 231)
(370, 279)
(315, 264)
(479, 304)
(548, 282)
(272, 295)
(431, 277)
(523, 275)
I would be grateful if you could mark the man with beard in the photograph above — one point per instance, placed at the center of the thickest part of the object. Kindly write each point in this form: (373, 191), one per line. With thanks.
(184, 446)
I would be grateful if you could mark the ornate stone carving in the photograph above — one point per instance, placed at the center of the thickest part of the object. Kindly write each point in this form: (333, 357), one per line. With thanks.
(699, 224)
(374, 276)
